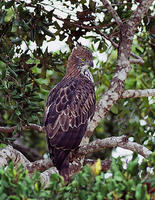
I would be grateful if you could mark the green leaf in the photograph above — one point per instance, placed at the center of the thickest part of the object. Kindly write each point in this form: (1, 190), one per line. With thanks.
(132, 167)
(12, 72)
(139, 192)
(118, 176)
(114, 109)
(8, 4)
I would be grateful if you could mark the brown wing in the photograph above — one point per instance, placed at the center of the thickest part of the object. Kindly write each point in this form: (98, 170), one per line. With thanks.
(69, 107)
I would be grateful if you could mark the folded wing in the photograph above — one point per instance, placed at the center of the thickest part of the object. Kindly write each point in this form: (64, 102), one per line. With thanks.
(69, 107)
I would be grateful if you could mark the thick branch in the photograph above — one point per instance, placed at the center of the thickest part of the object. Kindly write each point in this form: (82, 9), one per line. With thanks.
(95, 146)
(111, 142)
(45, 176)
(105, 164)
(18, 158)
(39, 165)
(31, 153)
(127, 31)
(10, 153)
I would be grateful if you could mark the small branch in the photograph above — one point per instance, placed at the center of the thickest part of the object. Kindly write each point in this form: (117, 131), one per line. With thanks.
(13, 128)
(137, 57)
(125, 94)
(113, 12)
(138, 93)
(34, 127)
(136, 61)
(7, 129)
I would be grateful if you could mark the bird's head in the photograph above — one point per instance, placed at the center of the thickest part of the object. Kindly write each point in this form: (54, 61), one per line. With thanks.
(80, 59)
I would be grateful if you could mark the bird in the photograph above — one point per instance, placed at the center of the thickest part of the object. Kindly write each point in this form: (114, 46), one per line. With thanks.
(69, 108)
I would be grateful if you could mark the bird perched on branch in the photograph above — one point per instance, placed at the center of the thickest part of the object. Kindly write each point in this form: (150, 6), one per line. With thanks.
(70, 105)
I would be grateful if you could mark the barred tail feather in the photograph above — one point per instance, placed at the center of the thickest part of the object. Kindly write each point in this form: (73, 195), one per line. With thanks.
(61, 162)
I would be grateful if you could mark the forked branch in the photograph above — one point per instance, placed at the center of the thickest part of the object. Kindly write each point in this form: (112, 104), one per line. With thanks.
(46, 165)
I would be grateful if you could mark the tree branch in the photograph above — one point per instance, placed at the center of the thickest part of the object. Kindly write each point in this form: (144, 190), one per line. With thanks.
(10, 153)
(125, 94)
(13, 128)
(127, 31)
(138, 59)
(121, 141)
(39, 165)
(18, 158)
(45, 176)
(139, 13)
(105, 164)
(102, 107)
(31, 153)
(138, 93)
(113, 12)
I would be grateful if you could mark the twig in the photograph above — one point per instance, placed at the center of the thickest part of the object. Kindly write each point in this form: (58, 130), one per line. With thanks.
(13, 128)
(138, 59)
(113, 12)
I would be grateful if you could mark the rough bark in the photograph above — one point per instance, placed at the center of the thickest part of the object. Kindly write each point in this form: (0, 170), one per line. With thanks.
(127, 31)
(45, 166)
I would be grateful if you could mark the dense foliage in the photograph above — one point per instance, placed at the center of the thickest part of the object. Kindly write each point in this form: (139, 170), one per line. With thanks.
(117, 183)
(31, 64)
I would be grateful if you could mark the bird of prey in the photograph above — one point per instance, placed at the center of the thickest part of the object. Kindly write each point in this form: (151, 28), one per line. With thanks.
(70, 106)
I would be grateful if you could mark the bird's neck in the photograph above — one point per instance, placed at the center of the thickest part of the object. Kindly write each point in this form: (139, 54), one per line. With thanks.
(74, 72)
(88, 75)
